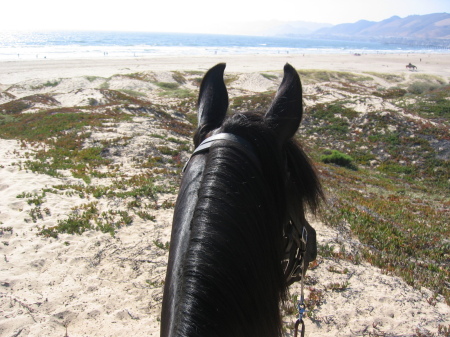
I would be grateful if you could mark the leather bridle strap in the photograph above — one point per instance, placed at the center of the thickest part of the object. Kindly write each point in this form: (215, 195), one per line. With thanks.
(206, 144)
(301, 307)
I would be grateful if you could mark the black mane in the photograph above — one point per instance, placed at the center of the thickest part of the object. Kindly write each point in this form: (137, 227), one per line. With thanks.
(236, 241)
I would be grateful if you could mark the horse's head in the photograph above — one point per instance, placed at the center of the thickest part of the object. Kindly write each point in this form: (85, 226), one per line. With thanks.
(240, 235)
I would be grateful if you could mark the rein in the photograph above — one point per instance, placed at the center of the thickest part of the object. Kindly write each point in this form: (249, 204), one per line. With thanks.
(295, 243)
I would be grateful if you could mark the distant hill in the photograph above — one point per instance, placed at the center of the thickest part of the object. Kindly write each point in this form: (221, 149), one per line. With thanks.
(427, 30)
(430, 26)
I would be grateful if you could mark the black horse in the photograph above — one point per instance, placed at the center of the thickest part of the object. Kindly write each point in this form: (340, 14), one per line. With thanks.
(236, 242)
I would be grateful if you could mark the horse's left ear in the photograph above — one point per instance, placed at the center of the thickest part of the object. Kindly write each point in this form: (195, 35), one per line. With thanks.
(285, 114)
(212, 100)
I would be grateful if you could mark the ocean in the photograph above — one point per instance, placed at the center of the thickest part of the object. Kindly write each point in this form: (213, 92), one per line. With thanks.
(84, 44)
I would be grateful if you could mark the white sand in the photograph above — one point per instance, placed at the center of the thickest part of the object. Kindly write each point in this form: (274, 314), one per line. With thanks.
(17, 71)
(97, 285)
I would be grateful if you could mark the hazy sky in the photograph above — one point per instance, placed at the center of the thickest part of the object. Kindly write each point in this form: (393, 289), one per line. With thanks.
(207, 16)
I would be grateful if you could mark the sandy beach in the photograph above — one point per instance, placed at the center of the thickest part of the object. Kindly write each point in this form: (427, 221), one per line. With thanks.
(95, 284)
(17, 71)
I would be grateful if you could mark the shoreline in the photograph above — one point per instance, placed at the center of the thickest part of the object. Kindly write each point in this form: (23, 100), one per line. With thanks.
(12, 72)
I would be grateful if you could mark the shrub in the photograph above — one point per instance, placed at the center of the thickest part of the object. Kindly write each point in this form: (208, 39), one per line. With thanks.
(419, 88)
(178, 77)
(338, 158)
(270, 77)
(52, 83)
(168, 85)
(390, 93)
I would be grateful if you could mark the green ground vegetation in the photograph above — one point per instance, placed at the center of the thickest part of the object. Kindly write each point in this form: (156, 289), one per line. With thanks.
(396, 202)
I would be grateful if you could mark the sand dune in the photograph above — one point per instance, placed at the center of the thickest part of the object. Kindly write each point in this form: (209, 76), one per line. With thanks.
(95, 284)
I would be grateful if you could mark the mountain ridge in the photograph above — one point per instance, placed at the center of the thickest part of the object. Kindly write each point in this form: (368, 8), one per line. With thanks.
(429, 26)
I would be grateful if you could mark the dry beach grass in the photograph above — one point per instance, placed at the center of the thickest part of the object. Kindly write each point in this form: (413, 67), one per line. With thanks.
(91, 157)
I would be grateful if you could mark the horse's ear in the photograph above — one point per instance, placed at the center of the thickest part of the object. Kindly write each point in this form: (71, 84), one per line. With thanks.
(213, 99)
(285, 114)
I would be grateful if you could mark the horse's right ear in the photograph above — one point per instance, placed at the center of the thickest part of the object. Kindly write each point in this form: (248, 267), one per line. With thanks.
(212, 101)
(285, 114)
